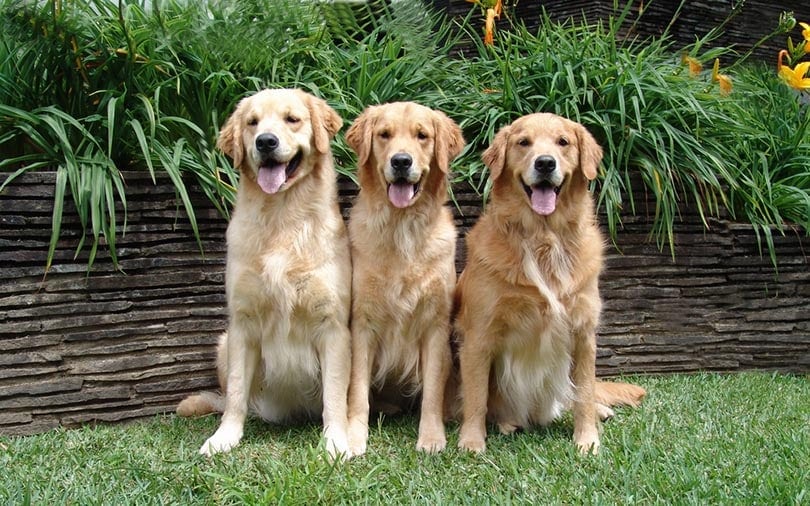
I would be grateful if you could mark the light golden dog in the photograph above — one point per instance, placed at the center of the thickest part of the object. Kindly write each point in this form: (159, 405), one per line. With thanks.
(529, 297)
(287, 351)
(403, 244)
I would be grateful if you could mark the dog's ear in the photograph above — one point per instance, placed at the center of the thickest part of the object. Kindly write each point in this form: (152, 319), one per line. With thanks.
(230, 136)
(360, 135)
(449, 141)
(590, 153)
(325, 122)
(495, 155)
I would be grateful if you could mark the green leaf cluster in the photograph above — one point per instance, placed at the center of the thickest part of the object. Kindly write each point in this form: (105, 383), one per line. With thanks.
(92, 88)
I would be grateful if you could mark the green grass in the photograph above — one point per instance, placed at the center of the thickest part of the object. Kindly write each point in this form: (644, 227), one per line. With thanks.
(697, 439)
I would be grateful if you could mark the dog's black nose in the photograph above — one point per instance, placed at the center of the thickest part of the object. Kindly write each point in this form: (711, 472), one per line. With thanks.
(401, 162)
(266, 143)
(545, 164)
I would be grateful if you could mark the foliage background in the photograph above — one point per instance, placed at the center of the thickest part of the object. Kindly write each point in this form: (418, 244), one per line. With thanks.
(92, 88)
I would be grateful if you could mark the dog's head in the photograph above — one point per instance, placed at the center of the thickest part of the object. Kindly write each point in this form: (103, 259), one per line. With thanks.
(276, 136)
(546, 156)
(405, 148)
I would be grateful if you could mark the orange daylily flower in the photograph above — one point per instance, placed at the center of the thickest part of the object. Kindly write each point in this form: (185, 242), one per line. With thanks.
(694, 65)
(489, 28)
(493, 10)
(794, 77)
(722, 79)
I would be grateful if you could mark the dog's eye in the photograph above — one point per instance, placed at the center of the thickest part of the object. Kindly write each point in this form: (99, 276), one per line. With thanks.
(523, 141)
(385, 134)
(253, 121)
(291, 119)
(562, 141)
(421, 136)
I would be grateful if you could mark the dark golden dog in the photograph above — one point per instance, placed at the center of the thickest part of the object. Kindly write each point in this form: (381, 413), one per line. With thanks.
(529, 297)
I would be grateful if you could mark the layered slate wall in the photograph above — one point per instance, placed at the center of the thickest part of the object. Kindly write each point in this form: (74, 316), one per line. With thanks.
(79, 346)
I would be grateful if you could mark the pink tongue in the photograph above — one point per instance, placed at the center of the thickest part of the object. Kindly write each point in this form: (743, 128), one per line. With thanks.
(400, 194)
(544, 200)
(271, 178)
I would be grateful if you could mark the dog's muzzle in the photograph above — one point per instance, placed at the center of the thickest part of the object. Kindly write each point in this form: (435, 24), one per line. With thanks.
(402, 190)
(543, 190)
(273, 172)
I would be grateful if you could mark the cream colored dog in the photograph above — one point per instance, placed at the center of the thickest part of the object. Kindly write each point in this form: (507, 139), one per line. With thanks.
(529, 295)
(403, 252)
(287, 352)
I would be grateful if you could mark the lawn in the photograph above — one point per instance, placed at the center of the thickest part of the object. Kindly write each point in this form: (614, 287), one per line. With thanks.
(697, 439)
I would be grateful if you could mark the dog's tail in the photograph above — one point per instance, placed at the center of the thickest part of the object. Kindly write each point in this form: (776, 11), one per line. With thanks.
(200, 404)
(612, 393)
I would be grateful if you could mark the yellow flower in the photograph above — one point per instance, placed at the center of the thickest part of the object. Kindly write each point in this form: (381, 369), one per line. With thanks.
(722, 79)
(794, 77)
(694, 66)
(806, 35)
(805, 31)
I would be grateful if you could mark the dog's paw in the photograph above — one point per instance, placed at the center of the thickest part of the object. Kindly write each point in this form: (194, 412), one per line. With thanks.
(604, 411)
(358, 438)
(588, 444)
(431, 444)
(337, 445)
(475, 445)
(223, 440)
(507, 429)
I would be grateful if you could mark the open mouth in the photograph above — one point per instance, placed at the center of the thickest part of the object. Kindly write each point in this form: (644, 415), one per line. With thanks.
(272, 174)
(543, 197)
(401, 192)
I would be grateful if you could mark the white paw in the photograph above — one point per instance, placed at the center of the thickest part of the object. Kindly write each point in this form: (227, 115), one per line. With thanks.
(337, 444)
(588, 444)
(222, 441)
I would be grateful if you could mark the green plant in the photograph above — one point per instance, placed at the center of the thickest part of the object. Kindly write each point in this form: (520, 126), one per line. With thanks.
(106, 86)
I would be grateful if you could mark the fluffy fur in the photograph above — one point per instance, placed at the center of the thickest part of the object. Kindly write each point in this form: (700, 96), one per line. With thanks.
(287, 351)
(528, 297)
(403, 249)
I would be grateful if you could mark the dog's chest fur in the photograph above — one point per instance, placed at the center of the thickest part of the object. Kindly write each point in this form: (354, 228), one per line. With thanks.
(285, 278)
(405, 262)
(532, 367)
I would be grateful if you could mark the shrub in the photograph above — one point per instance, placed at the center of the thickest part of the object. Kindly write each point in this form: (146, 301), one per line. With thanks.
(92, 88)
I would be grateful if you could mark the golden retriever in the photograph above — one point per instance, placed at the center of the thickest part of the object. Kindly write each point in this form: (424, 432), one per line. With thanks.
(528, 298)
(287, 352)
(403, 244)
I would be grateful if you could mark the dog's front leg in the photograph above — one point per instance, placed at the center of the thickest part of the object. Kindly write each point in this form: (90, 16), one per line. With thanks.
(436, 357)
(335, 371)
(363, 350)
(586, 429)
(243, 357)
(475, 363)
